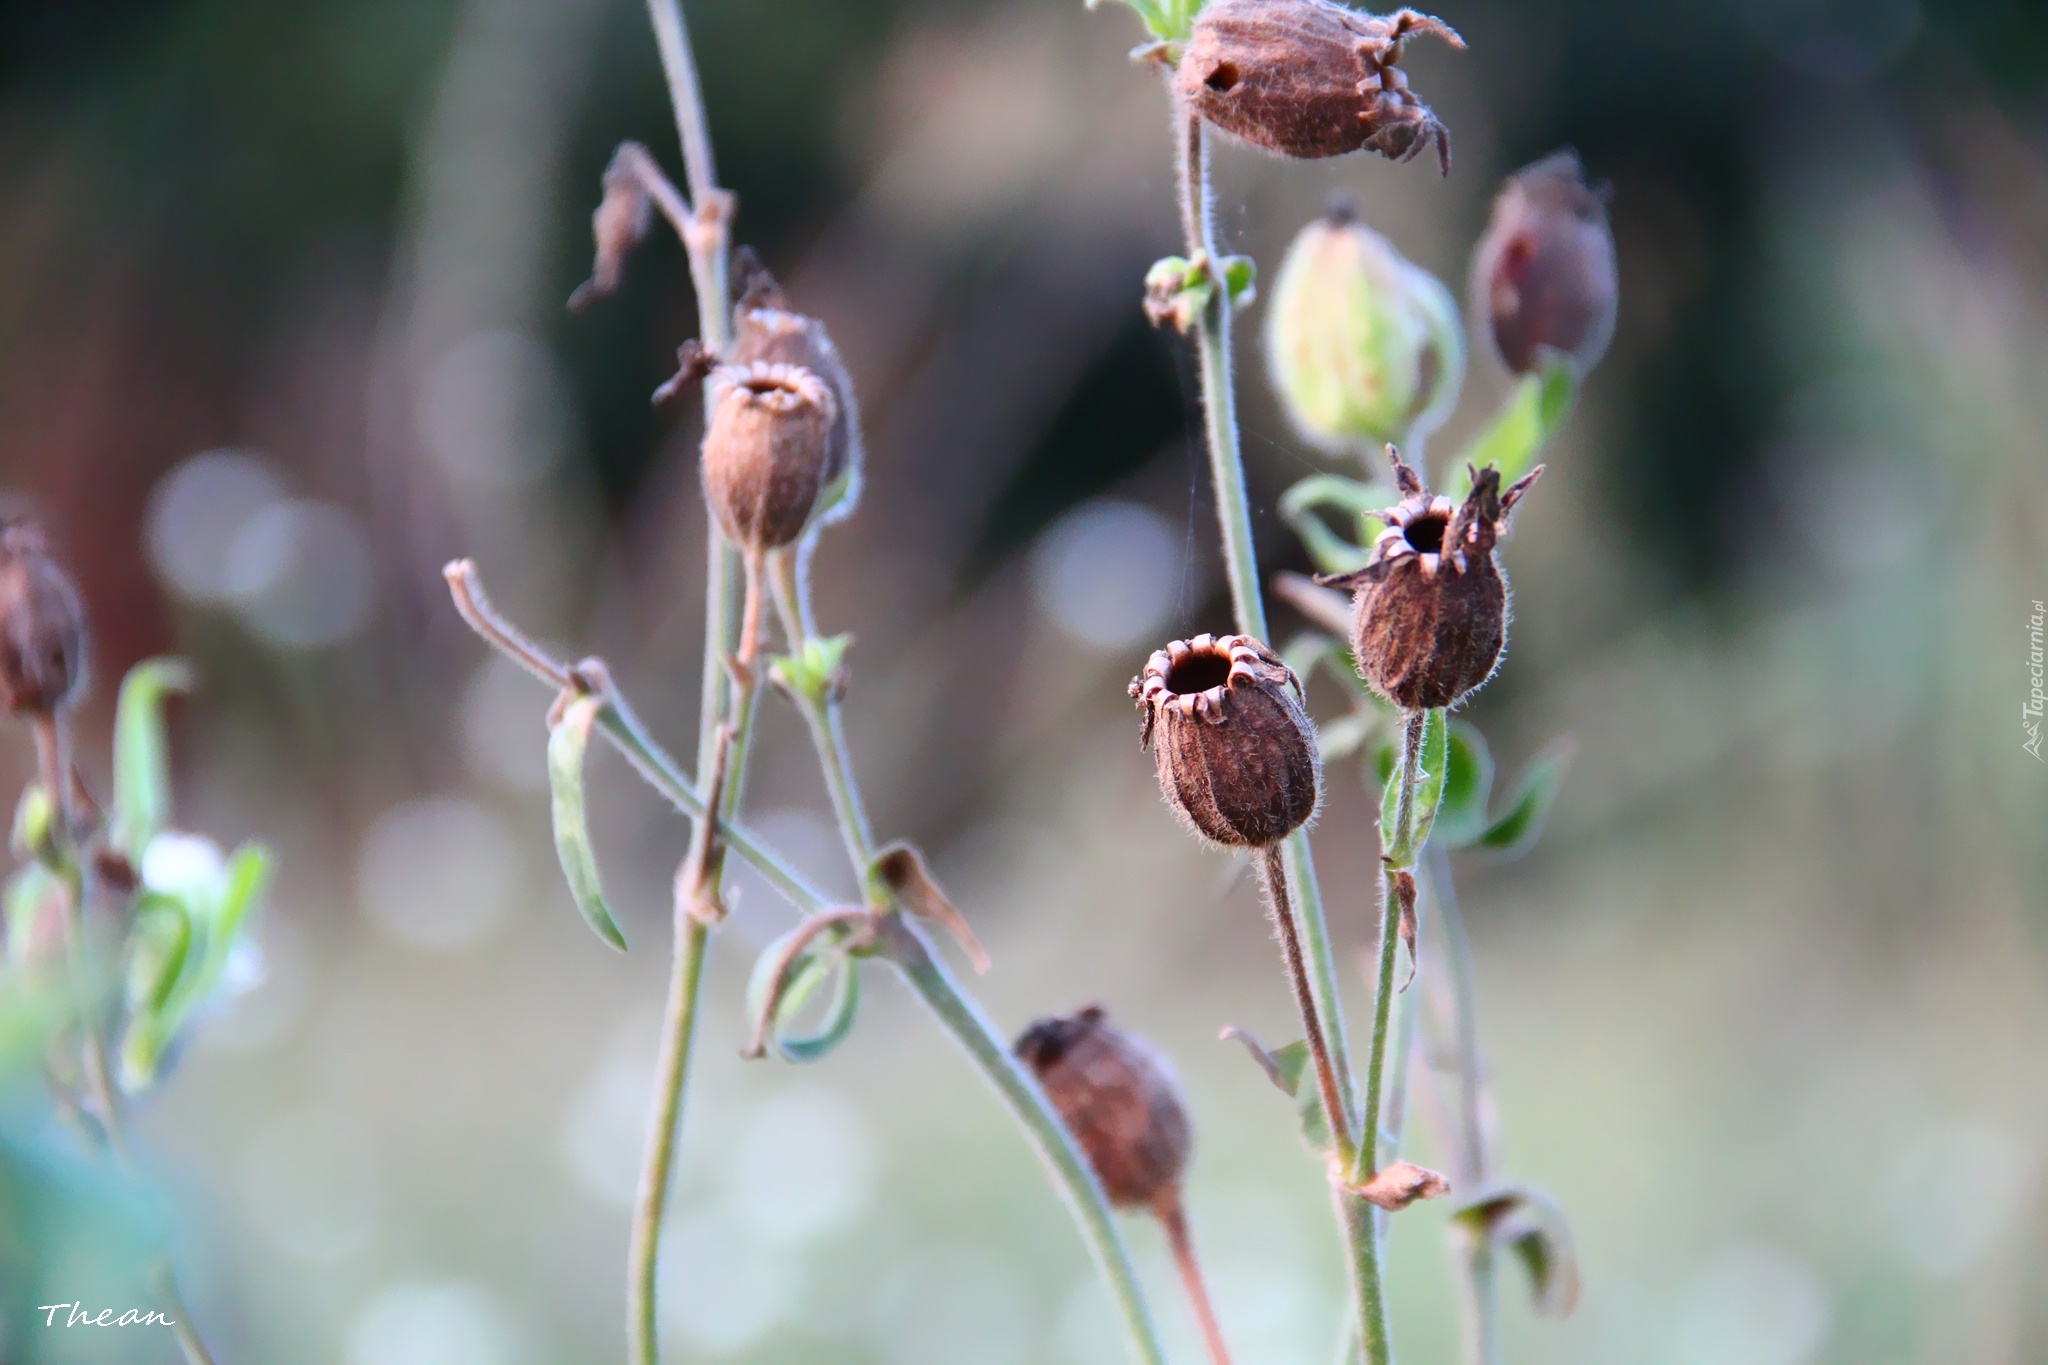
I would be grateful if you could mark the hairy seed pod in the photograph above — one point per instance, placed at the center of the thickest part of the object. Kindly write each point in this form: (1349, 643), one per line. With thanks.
(1363, 346)
(42, 626)
(1308, 78)
(1429, 619)
(1236, 753)
(766, 446)
(1543, 277)
(1119, 1098)
(767, 329)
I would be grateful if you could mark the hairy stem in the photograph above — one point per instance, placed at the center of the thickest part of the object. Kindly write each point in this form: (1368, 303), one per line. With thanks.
(1241, 566)
(1175, 1220)
(1273, 866)
(1409, 776)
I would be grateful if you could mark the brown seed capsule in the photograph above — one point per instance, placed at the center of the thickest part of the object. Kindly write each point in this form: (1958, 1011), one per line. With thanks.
(1429, 619)
(766, 447)
(766, 328)
(1118, 1097)
(1543, 277)
(42, 626)
(1308, 78)
(1236, 753)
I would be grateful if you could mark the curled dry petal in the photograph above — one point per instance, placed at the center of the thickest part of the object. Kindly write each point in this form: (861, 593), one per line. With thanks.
(1397, 1186)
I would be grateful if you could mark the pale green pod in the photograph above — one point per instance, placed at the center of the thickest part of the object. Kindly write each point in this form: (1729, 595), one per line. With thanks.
(1363, 346)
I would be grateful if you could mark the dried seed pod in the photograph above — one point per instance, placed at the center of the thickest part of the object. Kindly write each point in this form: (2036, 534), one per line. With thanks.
(1236, 753)
(766, 447)
(766, 328)
(42, 626)
(1307, 78)
(1119, 1098)
(1543, 277)
(1429, 619)
(1363, 346)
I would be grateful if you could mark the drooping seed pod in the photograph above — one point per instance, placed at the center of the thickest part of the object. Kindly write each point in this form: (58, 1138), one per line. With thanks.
(1429, 619)
(1236, 752)
(1363, 346)
(767, 444)
(1119, 1098)
(1308, 78)
(1543, 277)
(767, 329)
(42, 626)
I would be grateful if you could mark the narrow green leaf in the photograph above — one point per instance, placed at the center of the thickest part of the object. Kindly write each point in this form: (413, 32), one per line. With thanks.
(1512, 833)
(159, 949)
(142, 768)
(1468, 781)
(825, 958)
(1397, 844)
(572, 831)
(1535, 409)
(810, 674)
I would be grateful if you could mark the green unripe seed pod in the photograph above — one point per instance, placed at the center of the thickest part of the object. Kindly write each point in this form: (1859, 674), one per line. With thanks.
(1363, 346)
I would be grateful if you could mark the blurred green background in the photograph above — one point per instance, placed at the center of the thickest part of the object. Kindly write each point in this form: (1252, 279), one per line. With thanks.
(281, 330)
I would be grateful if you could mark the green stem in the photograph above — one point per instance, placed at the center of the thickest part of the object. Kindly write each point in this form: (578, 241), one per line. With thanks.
(1241, 566)
(671, 1075)
(1021, 1095)
(1408, 775)
(1475, 1249)
(906, 950)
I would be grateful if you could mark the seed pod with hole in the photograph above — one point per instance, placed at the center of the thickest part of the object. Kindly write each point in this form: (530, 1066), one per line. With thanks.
(1429, 619)
(766, 328)
(1308, 78)
(1362, 345)
(42, 626)
(1543, 277)
(767, 443)
(1236, 752)
(1119, 1098)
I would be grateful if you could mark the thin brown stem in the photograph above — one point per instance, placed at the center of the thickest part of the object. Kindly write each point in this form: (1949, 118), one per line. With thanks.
(1272, 864)
(1174, 1219)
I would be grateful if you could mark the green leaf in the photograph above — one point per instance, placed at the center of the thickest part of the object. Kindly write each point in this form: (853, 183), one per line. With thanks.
(1531, 1224)
(1468, 780)
(1399, 845)
(1169, 21)
(1345, 735)
(142, 766)
(826, 958)
(1535, 409)
(813, 673)
(1513, 832)
(35, 827)
(1290, 1069)
(1301, 507)
(1240, 276)
(158, 994)
(566, 745)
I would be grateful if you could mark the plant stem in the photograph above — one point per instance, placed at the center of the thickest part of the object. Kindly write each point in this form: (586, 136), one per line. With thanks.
(1274, 867)
(1408, 775)
(905, 948)
(671, 1075)
(1071, 1175)
(1481, 1305)
(1174, 1219)
(1241, 566)
(725, 712)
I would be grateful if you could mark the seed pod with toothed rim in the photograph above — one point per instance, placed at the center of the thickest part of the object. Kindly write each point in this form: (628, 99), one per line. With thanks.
(1236, 752)
(1119, 1098)
(1362, 345)
(767, 443)
(1429, 619)
(1307, 78)
(1543, 277)
(766, 328)
(42, 626)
